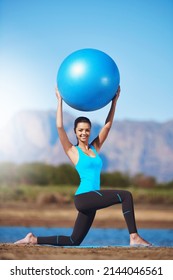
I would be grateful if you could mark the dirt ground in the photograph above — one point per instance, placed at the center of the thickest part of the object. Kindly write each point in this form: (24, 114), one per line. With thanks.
(30, 252)
(147, 216)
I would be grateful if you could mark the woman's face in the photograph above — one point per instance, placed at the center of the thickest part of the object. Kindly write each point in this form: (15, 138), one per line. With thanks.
(83, 131)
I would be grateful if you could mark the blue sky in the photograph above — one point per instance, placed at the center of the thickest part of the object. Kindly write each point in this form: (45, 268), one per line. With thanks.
(35, 37)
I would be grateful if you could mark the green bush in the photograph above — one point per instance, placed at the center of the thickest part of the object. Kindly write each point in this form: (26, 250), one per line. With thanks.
(43, 174)
(115, 179)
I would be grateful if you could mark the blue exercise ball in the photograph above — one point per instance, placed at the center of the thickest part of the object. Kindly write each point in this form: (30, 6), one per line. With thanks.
(88, 79)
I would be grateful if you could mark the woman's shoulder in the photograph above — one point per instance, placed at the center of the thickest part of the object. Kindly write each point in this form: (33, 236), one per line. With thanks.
(73, 154)
(76, 147)
(92, 147)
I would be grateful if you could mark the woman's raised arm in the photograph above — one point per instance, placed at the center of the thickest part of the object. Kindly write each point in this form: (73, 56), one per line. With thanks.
(99, 140)
(67, 145)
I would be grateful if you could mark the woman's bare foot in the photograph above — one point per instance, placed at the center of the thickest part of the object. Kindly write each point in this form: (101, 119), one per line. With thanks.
(136, 240)
(28, 239)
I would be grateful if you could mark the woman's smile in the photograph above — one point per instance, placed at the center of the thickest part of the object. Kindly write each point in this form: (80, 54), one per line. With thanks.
(83, 131)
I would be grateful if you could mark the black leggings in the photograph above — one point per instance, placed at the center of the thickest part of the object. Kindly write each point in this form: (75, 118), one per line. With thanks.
(87, 204)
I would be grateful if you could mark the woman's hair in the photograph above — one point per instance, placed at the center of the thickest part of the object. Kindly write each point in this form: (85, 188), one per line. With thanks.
(81, 119)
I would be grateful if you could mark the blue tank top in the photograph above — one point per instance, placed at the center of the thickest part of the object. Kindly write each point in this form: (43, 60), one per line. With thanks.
(89, 169)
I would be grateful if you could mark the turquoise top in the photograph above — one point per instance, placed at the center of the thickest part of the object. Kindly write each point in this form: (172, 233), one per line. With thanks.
(89, 169)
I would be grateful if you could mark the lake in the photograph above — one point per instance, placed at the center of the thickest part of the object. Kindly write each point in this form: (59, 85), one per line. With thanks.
(95, 237)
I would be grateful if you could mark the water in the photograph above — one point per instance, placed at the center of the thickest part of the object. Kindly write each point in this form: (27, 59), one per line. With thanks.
(95, 237)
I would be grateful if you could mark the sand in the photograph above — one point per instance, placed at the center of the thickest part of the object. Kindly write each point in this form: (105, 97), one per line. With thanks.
(31, 252)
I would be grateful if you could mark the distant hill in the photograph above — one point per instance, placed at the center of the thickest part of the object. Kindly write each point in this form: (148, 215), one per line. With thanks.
(132, 147)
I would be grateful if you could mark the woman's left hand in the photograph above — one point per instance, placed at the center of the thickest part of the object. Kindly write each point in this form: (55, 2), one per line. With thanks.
(58, 94)
(117, 95)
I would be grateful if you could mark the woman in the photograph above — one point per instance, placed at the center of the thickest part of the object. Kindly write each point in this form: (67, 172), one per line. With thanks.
(88, 197)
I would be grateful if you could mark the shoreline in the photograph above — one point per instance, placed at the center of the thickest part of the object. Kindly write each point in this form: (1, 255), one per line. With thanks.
(147, 216)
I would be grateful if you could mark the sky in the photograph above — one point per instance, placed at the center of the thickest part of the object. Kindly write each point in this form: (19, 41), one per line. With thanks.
(36, 36)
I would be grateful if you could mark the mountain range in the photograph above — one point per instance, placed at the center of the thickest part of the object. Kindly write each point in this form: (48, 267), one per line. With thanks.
(132, 146)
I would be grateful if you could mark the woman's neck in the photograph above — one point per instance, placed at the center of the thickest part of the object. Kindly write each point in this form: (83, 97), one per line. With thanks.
(84, 146)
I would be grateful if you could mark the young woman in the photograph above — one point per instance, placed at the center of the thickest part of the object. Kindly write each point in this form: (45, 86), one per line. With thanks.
(88, 197)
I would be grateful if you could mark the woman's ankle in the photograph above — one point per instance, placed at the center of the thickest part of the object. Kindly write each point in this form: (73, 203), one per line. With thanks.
(134, 236)
(33, 240)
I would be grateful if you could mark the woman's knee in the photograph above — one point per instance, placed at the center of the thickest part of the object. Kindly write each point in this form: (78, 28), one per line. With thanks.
(127, 195)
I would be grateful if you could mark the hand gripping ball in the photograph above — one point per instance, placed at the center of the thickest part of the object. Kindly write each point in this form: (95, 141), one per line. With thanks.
(88, 79)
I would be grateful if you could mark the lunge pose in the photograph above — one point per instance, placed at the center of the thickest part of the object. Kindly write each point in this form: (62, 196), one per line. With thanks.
(88, 197)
